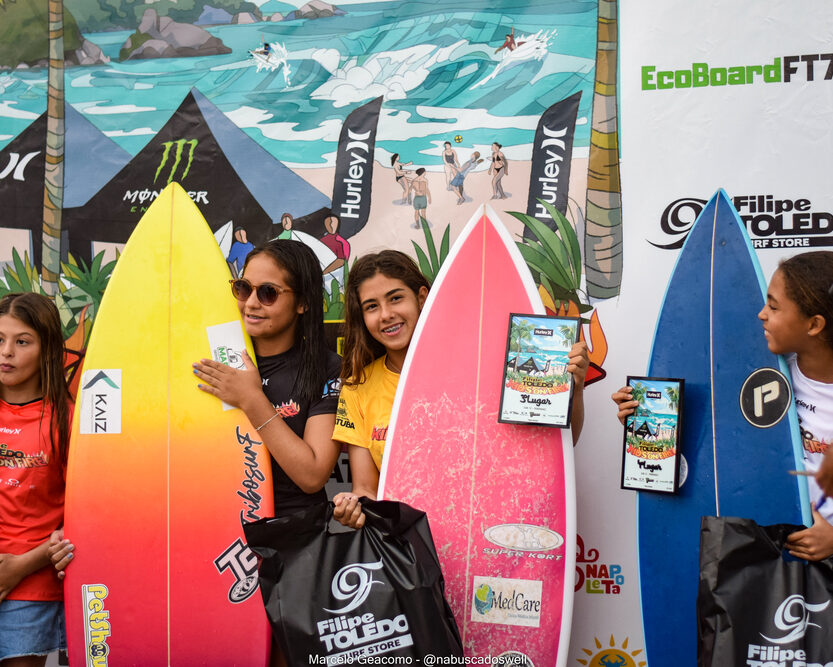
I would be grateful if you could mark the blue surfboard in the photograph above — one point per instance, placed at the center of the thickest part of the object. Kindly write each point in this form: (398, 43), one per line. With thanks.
(739, 427)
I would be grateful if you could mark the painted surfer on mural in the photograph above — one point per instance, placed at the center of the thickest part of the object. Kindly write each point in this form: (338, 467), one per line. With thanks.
(400, 174)
(460, 177)
(286, 226)
(451, 164)
(421, 197)
(338, 244)
(239, 249)
(509, 43)
(498, 168)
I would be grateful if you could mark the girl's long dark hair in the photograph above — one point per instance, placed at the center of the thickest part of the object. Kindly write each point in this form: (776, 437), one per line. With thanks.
(360, 348)
(808, 278)
(306, 281)
(40, 314)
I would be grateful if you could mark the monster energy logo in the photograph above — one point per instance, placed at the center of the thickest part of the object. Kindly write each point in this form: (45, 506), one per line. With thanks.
(180, 148)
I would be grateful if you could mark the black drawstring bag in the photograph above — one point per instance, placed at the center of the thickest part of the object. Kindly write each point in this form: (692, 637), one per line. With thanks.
(340, 594)
(757, 605)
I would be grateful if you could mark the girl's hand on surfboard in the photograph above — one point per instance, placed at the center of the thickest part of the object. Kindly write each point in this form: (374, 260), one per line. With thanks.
(61, 552)
(231, 385)
(813, 543)
(624, 401)
(824, 476)
(348, 510)
(577, 363)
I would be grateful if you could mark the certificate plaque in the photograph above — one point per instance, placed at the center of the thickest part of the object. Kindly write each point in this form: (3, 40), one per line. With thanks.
(537, 388)
(651, 451)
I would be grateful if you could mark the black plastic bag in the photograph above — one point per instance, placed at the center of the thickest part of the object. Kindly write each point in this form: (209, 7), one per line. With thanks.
(335, 593)
(757, 606)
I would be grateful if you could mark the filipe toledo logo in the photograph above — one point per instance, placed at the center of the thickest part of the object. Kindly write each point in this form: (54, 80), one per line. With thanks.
(793, 617)
(771, 222)
(353, 582)
(347, 638)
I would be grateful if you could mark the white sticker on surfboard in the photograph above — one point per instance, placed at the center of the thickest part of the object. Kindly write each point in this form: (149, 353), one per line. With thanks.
(507, 601)
(100, 401)
(227, 345)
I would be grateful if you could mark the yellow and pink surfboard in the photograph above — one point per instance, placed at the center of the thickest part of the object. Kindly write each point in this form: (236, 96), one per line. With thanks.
(161, 475)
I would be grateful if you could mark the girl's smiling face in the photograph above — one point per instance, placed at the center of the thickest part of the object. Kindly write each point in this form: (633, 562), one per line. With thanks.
(785, 326)
(390, 310)
(20, 350)
(272, 327)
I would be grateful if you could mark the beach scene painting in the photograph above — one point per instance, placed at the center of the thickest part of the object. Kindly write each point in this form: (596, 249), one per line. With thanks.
(651, 457)
(537, 388)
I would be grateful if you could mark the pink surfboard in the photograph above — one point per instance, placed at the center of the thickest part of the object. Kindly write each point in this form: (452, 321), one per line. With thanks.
(500, 498)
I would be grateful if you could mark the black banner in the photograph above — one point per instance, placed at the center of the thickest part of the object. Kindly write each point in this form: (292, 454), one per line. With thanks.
(552, 150)
(185, 150)
(354, 167)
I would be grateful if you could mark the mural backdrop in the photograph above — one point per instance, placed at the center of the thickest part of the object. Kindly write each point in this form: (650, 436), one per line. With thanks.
(275, 116)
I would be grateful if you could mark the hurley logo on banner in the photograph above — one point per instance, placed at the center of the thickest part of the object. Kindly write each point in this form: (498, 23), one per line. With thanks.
(350, 636)
(354, 167)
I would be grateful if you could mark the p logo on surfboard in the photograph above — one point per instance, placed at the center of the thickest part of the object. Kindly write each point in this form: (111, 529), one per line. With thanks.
(765, 397)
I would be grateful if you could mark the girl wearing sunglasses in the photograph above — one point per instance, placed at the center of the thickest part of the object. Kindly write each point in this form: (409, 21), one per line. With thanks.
(292, 396)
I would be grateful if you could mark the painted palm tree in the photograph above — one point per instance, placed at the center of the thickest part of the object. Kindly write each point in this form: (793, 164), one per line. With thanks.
(521, 332)
(567, 334)
(673, 396)
(639, 392)
(603, 223)
(53, 196)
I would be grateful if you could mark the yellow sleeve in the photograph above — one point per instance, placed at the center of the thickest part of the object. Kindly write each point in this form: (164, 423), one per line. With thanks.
(350, 422)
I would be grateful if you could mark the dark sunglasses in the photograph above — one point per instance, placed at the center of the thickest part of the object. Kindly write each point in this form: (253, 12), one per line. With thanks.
(267, 293)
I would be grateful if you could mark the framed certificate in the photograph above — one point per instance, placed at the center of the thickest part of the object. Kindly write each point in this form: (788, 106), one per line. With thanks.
(537, 389)
(651, 450)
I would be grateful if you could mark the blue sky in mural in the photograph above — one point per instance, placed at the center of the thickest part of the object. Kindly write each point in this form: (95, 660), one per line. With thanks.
(434, 62)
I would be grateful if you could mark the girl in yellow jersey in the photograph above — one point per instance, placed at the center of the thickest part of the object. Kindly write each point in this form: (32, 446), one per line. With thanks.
(385, 295)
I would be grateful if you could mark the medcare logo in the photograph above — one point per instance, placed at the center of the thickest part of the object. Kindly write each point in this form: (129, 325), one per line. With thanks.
(771, 222)
(782, 69)
(507, 601)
